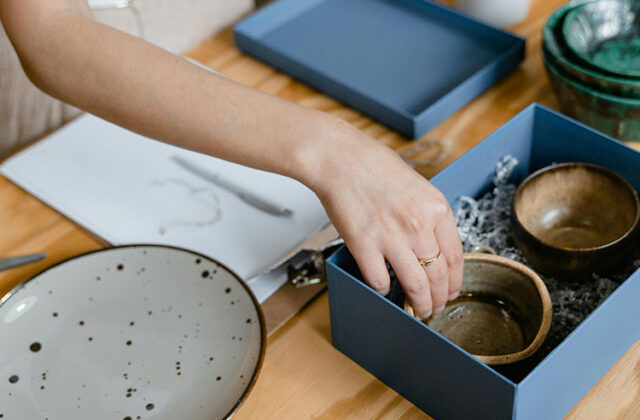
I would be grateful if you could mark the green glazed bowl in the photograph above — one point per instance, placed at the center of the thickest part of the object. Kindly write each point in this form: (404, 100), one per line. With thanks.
(561, 56)
(605, 34)
(614, 115)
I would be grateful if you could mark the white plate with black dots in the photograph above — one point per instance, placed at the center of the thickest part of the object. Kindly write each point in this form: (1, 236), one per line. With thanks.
(132, 332)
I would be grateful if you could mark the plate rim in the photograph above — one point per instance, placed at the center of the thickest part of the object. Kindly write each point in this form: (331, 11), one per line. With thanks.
(263, 331)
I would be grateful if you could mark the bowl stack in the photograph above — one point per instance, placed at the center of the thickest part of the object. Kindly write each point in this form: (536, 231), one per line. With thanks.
(591, 50)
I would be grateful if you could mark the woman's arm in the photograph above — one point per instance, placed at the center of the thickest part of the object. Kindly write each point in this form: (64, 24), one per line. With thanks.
(382, 208)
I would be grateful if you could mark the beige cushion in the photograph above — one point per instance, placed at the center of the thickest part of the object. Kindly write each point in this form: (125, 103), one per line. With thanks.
(177, 25)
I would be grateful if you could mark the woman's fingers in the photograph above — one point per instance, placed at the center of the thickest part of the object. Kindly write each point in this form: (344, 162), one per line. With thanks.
(413, 279)
(427, 288)
(373, 268)
(446, 234)
(385, 210)
(437, 272)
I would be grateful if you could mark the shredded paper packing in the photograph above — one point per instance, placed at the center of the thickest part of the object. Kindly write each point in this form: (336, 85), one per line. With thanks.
(486, 221)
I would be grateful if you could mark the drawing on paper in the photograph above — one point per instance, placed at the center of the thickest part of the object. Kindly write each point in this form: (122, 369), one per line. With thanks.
(203, 205)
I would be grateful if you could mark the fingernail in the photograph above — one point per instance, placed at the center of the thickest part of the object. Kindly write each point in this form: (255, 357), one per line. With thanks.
(438, 309)
(426, 315)
(454, 295)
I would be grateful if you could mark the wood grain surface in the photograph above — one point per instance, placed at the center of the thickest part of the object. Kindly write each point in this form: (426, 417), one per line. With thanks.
(303, 375)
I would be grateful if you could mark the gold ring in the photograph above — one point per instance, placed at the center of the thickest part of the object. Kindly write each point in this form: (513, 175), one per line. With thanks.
(426, 262)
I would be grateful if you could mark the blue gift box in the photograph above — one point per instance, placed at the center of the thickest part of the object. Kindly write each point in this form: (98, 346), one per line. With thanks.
(407, 63)
(441, 378)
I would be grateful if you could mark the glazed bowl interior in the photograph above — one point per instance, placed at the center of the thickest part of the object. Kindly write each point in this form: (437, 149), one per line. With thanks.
(576, 206)
(606, 34)
(503, 313)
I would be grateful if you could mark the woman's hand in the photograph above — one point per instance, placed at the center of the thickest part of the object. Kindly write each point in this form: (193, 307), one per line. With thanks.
(384, 210)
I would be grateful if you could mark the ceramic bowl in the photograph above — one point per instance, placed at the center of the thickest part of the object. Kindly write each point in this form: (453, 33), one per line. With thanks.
(557, 53)
(573, 219)
(605, 34)
(500, 13)
(613, 115)
(503, 313)
(128, 333)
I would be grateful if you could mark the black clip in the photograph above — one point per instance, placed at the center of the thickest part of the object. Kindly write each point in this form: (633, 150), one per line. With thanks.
(308, 267)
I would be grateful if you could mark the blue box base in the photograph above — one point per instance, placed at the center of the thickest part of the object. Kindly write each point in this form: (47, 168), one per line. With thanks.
(438, 376)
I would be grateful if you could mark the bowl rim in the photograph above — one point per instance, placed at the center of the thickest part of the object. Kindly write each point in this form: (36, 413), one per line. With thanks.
(548, 35)
(545, 299)
(591, 166)
(263, 329)
(589, 90)
(571, 14)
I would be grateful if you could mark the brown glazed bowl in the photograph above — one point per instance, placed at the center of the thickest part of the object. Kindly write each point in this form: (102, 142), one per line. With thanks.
(573, 219)
(502, 315)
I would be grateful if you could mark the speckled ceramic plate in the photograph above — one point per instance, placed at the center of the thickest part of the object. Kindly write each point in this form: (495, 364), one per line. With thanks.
(134, 332)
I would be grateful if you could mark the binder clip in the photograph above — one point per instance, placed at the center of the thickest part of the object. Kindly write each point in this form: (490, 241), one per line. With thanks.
(308, 267)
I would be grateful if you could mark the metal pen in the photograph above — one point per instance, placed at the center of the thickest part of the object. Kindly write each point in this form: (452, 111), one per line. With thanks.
(245, 195)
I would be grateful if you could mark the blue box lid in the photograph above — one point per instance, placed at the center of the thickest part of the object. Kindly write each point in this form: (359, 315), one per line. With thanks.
(407, 63)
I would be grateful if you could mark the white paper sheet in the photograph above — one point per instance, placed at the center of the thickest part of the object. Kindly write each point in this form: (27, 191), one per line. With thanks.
(127, 189)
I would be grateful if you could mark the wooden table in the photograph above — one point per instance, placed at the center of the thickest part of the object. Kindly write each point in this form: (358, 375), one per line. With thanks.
(303, 375)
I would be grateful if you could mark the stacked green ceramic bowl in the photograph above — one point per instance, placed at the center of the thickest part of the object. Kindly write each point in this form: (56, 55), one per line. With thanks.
(591, 50)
